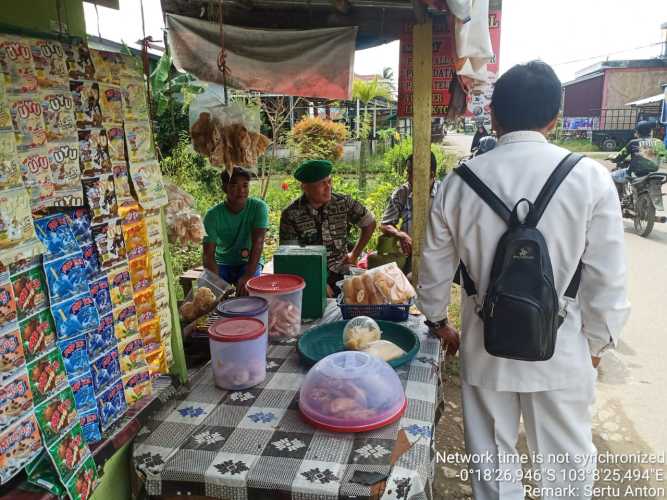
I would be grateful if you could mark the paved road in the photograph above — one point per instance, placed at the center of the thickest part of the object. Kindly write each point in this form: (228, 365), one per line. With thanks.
(630, 414)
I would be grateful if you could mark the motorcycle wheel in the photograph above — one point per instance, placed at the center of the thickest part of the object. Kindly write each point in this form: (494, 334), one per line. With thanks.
(645, 215)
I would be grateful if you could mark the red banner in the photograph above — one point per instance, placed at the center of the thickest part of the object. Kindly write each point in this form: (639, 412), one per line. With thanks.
(443, 67)
(443, 70)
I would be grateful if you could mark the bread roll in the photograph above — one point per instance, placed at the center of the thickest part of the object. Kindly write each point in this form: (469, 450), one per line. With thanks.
(372, 296)
(384, 349)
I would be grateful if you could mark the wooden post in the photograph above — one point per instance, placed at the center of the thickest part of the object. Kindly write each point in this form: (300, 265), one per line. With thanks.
(422, 67)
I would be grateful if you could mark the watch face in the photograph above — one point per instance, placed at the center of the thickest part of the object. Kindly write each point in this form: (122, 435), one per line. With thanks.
(245, 253)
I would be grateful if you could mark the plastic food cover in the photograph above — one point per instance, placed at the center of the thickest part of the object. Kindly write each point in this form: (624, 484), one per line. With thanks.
(351, 392)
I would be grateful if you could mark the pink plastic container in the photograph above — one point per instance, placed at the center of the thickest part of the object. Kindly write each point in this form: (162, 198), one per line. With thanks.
(351, 391)
(238, 352)
(284, 293)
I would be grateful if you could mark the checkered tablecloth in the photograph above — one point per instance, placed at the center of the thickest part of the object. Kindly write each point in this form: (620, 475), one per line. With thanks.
(253, 444)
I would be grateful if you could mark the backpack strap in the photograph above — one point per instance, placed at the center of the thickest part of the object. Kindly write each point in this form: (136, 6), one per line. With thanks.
(550, 187)
(484, 192)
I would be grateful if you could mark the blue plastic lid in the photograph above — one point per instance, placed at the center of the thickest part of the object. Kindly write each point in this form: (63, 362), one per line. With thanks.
(243, 307)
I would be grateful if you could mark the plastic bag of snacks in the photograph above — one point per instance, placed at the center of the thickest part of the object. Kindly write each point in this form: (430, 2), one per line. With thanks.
(204, 296)
(228, 135)
(184, 223)
(382, 285)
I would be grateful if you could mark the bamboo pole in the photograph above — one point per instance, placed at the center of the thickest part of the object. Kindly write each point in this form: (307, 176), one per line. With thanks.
(422, 63)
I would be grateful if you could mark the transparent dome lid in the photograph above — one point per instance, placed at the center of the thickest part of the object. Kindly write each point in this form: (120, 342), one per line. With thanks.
(351, 392)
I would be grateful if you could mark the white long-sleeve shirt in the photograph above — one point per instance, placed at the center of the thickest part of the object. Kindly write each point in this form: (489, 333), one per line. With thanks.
(582, 222)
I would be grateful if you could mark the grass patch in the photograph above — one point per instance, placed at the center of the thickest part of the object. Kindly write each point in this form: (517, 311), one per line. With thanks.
(577, 145)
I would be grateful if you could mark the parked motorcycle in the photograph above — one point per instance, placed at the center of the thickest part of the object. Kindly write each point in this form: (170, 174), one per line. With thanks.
(641, 198)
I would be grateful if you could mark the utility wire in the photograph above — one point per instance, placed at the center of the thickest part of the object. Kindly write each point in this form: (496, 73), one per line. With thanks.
(606, 55)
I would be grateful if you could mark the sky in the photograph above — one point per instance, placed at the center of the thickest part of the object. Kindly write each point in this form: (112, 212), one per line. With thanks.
(556, 31)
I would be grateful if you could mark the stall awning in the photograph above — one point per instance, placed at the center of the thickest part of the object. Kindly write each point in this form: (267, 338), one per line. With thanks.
(656, 99)
(308, 63)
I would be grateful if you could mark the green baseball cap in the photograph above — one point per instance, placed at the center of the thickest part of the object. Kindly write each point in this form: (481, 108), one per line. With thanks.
(313, 171)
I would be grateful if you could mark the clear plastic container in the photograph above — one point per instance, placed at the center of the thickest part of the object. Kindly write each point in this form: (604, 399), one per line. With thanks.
(284, 293)
(246, 307)
(351, 392)
(238, 352)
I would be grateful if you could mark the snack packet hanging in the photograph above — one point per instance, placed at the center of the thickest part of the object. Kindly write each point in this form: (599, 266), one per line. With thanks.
(89, 252)
(109, 242)
(75, 315)
(47, 376)
(103, 338)
(19, 444)
(158, 265)
(58, 112)
(148, 183)
(16, 65)
(12, 356)
(15, 399)
(111, 405)
(38, 334)
(10, 168)
(136, 239)
(87, 109)
(111, 102)
(139, 141)
(69, 452)
(30, 292)
(25, 264)
(120, 285)
(83, 389)
(140, 273)
(75, 355)
(50, 65)
(131, 351)
(82, 484)
(125, 321)
(17, 235)
(56, 234)
(28, 121)
(5, 111)
(64, 164)
(105, 370)
(94, 157)
(121, 182)
(90, 424)
(42, 474)
(137, 386)
(154, 228)
(79, 62)
(116, 136)
(8, 315)
(99, 289)
(37, 177)
(101, 198)
(156, 359)
(79, 219)
(144, 302)
(56, 415)
(66, 277)
(135, 105)
(107, 66)
(150, 332)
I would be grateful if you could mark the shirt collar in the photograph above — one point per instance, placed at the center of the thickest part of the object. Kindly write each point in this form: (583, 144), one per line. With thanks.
(521, 136)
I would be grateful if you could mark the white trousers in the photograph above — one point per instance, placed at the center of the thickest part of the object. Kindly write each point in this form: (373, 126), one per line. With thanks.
(558, 428)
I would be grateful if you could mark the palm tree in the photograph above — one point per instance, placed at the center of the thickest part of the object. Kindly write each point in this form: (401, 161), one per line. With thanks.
(365, 92)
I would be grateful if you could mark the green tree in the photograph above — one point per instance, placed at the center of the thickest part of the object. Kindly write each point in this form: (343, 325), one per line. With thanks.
(365, 92)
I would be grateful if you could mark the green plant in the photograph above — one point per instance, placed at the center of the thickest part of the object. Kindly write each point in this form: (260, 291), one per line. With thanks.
(397, 156)
(317, 138)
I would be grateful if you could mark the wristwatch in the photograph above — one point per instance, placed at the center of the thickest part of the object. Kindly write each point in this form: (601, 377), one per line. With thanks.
(436, 325)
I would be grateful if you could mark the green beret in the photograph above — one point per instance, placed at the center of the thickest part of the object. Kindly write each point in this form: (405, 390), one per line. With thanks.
(313, 170)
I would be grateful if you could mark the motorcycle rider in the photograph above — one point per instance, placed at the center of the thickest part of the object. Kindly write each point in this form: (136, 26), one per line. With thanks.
(643, 158)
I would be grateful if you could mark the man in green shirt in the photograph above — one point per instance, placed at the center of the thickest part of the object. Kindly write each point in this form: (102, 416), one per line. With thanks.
(235, 231)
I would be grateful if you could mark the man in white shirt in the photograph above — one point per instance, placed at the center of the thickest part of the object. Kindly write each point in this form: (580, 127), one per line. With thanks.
(581, 223)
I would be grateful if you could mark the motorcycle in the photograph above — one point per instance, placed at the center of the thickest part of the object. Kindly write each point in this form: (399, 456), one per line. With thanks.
(641, 197)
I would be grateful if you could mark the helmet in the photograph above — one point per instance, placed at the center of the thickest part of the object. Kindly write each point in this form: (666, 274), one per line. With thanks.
(486, 144)
(643, 128)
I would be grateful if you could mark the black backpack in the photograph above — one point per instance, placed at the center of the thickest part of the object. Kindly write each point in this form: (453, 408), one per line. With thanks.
(521, 310)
